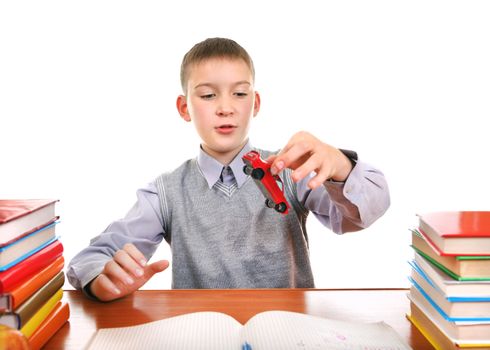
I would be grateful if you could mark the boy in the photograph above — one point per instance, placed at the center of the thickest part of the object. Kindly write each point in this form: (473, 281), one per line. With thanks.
(221, 233)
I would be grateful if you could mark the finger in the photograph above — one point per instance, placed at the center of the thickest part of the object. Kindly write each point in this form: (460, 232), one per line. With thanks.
(290, 143)
(276, 158)
(301, 137)
(150, 270)
(277, 166)
(294, 157)
(278, 162)
(104, 289)
(313, 163)
(156, 267)
(135, 254)
(285, 149)
(118, 274)
(271, 158)
(322, 175)
(125, 261)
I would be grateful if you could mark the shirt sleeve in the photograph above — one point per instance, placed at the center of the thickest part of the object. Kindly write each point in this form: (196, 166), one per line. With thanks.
(355, 204)
(142, 226)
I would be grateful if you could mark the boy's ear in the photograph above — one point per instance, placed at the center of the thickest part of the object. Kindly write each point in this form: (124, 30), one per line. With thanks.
(256, 103)
(182, 108)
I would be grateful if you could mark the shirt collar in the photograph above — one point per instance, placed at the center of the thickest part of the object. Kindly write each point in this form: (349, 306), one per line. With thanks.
(211, 168)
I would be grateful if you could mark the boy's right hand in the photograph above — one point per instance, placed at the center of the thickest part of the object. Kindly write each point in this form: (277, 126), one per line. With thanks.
(124, 274)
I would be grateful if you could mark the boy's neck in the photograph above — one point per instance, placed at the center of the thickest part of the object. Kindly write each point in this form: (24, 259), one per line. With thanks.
(225, 158)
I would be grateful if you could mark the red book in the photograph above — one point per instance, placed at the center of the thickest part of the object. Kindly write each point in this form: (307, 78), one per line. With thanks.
(30, 286)
(19, 217)
(18, 273)
(458, 232)
(53, 322)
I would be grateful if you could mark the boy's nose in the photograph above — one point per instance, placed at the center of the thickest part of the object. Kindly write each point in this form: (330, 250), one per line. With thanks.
(225, 108)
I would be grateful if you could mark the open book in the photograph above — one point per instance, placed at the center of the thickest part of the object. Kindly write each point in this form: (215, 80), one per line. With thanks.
(266, 330)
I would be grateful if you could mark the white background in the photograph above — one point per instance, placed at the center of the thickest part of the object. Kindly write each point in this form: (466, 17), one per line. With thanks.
(88, 89)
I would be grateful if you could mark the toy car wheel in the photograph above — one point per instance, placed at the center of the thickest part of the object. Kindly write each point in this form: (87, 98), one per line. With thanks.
(281, 207)
(258, 174)
(269, 203)
(247, 170)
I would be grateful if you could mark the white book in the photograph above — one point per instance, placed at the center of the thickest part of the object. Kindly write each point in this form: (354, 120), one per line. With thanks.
(18, 217)
(449, 286)
(26, 246)
(464, 307)
(267, 330)
(458, 332)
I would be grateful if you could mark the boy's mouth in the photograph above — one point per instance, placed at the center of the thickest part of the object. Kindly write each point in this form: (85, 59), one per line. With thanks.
(225, 128)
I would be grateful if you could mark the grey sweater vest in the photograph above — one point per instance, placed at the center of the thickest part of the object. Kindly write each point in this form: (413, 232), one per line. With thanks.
(232, 242)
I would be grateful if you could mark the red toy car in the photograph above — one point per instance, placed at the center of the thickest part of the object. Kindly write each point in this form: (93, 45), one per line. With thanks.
(270, 185)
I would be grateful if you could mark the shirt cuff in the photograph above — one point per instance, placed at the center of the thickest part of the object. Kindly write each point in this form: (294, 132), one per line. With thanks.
(86, 290)
(344, 194)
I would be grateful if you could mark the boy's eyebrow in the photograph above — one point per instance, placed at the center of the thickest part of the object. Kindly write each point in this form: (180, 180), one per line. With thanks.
(242, 82)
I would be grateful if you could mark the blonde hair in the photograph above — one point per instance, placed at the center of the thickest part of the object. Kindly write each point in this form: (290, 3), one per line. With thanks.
(213, 48)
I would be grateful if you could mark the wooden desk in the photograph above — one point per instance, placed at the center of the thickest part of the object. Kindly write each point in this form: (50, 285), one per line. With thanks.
(87, 316)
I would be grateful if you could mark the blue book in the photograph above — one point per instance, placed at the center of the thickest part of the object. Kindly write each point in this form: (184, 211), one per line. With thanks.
(464, 310)
(452, 289)
(23, 248)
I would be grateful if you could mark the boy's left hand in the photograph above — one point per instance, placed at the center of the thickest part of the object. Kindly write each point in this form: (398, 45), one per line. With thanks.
(305, 153)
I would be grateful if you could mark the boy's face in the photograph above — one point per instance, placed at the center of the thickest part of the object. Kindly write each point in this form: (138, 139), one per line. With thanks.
(221, 101)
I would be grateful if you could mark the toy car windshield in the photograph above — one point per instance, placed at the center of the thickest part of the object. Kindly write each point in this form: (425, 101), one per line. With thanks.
(270, 185)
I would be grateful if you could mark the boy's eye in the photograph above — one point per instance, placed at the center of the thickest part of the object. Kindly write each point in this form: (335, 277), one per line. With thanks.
(207, 96)
(241, 94)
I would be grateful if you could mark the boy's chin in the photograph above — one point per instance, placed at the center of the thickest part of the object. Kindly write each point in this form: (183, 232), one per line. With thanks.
(225, 149)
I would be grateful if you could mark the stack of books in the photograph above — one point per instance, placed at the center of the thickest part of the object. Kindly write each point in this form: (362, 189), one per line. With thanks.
(31, 270)
(450, 279)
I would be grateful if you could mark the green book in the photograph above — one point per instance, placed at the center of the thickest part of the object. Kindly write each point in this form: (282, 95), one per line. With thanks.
(461, 268)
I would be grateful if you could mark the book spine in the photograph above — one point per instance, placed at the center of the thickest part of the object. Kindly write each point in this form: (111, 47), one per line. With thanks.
(41, 314)
(11, 320)
(21, 241)
(36, 282)
(5, 303)
(32, 230)
(50, 238)
(53, 322)
(427, 334)
(35, 302)
(12, 277)
(14, 209)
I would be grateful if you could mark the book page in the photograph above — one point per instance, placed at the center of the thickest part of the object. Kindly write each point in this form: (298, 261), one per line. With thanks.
(289, 330)
(201, 330)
